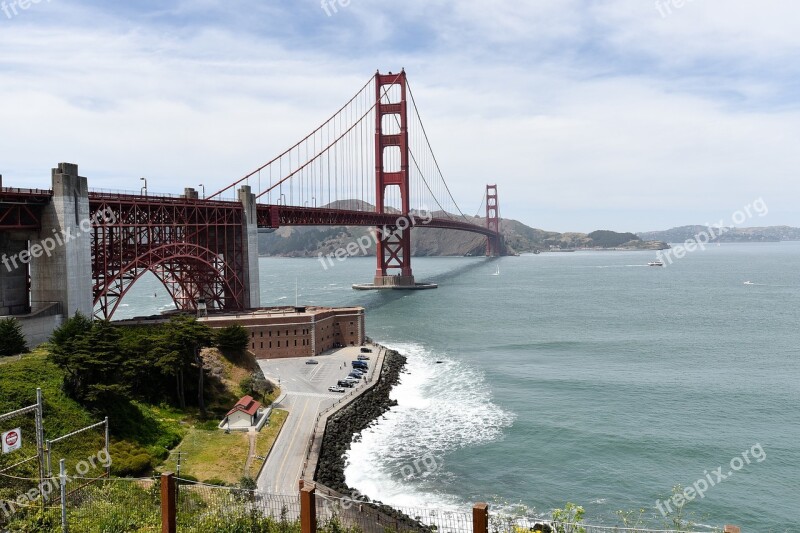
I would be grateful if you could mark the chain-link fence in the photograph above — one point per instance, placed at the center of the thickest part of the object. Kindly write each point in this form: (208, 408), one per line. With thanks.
(201, 507)
(92, 505)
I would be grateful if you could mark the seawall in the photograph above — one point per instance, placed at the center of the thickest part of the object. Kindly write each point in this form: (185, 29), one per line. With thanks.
(351, 420)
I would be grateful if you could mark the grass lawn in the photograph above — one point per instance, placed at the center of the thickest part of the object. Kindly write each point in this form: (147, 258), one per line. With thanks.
(213, 455)
(267, 438)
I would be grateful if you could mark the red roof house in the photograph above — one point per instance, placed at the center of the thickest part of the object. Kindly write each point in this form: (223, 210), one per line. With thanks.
(244, 414)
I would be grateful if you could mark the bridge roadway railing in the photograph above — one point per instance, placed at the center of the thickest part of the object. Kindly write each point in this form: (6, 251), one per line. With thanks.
(273, 216)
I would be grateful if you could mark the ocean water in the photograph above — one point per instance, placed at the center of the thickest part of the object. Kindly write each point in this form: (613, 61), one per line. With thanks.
(582, 377)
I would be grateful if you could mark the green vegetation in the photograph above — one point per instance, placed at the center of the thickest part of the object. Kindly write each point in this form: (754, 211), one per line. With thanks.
(611, 239)
(133, 507)
(218, 458)
(154, 384)
(232, 339)
(567, 520)
(12, 341)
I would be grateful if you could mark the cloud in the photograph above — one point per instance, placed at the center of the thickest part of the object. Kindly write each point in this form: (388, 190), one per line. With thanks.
(587, 114)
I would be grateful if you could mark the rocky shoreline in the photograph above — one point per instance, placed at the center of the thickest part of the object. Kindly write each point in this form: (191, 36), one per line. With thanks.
(343, 426)
(353, 419)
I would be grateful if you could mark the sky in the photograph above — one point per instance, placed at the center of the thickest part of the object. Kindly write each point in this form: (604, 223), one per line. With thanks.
(629, 115)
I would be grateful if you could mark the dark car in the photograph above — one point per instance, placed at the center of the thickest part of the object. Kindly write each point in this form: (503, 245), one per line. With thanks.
(345, 383)
(366, 350)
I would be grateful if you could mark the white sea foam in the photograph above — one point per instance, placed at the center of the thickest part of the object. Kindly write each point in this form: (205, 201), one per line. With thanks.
(442, 407)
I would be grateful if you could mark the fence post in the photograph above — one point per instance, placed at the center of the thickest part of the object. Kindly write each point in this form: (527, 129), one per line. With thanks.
(480, 518)
(62, 481)
(308, 510)
(168, 514)
(732, 529)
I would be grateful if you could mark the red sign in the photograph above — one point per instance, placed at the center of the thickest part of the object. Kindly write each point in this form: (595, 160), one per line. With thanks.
(12, 440)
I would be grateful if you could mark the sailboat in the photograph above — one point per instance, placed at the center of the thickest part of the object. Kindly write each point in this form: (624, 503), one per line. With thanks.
(497, 272)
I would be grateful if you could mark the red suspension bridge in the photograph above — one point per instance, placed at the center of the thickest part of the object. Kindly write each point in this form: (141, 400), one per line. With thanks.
(370, 164)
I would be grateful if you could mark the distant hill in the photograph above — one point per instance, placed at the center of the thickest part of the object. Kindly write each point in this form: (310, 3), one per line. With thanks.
(766, 234)
(304, 241)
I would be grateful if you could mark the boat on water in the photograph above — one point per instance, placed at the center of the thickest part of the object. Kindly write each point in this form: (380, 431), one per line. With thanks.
(497, 272)
(656, 263)
(749, 283)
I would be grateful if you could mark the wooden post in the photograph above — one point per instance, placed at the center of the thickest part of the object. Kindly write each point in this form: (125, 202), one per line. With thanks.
(732, 529)
(480, 518)
(168, 501)
(308, 510)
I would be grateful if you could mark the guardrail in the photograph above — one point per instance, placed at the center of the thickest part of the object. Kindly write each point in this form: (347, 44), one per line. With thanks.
(319, 428)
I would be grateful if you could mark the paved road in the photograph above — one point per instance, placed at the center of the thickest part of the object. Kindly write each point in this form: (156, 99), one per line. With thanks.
(306, 388)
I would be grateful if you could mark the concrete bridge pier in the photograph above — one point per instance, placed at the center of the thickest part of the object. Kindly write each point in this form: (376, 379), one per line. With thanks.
(250, 251)
(61, 269)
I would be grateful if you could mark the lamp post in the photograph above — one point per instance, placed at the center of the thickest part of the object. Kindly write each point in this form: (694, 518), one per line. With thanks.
(143, 190)
(204, 190)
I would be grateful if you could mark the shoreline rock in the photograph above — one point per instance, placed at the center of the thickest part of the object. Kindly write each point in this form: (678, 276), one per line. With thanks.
(348, 423)
(346, 426)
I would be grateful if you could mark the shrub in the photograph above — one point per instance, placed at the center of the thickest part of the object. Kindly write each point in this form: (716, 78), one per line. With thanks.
(130, 459)
(232, 339)
(12, 340)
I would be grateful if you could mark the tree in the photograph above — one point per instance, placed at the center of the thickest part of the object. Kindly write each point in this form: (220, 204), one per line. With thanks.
(71, 329)
(97, 369)
(177, 353)
(12, 340)
(232, 339)
(256, 385)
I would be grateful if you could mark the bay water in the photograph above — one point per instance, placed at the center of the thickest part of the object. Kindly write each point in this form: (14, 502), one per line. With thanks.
(586, 377)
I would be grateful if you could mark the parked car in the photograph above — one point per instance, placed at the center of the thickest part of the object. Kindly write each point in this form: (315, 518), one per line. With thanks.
(312, 362)
(345, 383)
(360, 364)
(366, 350)
(335, 389)
(363, 358)
(355, 375)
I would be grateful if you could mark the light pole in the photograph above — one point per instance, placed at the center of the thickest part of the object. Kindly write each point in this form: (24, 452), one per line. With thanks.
(204, 190)
(143, 190)
(282, 199)
(315, 201)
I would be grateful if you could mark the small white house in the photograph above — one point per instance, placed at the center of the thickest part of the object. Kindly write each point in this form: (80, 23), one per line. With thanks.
(243, 415)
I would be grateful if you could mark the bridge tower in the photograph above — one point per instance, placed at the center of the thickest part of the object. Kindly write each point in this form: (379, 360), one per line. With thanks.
(493, 244)
(393, 241)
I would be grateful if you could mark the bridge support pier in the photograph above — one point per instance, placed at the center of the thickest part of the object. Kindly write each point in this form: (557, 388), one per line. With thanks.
(61, 268)
(252, 294)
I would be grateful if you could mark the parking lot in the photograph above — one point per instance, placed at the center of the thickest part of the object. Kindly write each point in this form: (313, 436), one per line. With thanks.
(306, 395)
